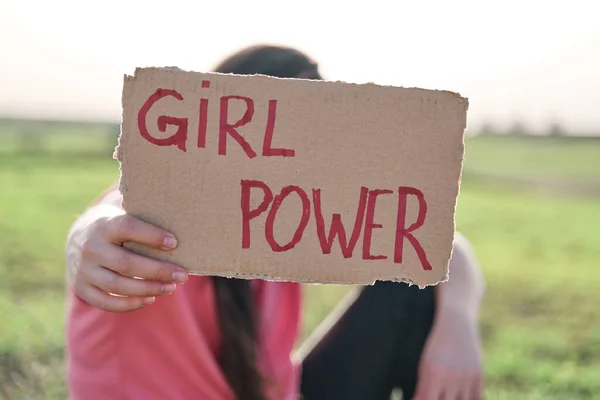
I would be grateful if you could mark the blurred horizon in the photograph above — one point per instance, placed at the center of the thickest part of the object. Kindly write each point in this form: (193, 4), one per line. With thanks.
(532, 64)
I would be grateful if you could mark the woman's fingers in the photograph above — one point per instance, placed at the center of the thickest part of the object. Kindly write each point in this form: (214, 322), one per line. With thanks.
(111, 303)
(126, 262)
(121, 285)
(126, 228)
(477, 388)
(108, 274)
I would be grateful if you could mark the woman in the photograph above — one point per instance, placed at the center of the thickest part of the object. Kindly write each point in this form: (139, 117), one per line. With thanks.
(217, 338)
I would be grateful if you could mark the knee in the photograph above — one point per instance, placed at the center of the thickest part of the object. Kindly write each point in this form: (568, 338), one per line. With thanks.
(403, 300)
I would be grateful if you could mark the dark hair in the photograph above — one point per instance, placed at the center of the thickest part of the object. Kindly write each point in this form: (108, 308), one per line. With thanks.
(235, 303)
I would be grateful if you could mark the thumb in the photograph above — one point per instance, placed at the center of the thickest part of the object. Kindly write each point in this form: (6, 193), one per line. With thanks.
(422, 385)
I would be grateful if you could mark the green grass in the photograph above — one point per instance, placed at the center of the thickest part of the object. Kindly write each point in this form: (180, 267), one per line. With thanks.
(539, 254)
(554, 157)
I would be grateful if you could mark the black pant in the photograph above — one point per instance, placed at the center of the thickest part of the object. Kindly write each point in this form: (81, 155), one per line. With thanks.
(374, 347)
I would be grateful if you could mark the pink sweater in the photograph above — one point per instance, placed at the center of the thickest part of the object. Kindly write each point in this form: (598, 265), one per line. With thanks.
(167, 350)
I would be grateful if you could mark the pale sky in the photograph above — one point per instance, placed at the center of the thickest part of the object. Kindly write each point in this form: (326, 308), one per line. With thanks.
(514, 59)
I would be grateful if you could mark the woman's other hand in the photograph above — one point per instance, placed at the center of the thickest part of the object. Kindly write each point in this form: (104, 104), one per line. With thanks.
(451, 366)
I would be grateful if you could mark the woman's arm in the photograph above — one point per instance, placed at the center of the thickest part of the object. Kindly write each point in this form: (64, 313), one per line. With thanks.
(451, 363)
(104, 273)
(463, 292)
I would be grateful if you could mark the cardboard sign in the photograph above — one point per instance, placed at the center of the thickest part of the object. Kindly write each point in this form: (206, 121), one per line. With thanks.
(288, 179)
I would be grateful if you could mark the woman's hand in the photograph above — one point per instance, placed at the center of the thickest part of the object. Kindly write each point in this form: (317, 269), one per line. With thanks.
(108, 276)
(451, 363)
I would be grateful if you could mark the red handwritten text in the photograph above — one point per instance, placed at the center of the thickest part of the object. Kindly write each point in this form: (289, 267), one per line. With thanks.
(227, 129)
(364, 220)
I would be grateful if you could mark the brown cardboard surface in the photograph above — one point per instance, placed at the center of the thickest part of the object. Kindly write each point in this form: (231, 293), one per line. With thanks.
(388, 160)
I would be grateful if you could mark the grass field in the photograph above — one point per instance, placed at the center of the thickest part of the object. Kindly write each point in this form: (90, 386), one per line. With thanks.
(540, 256)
